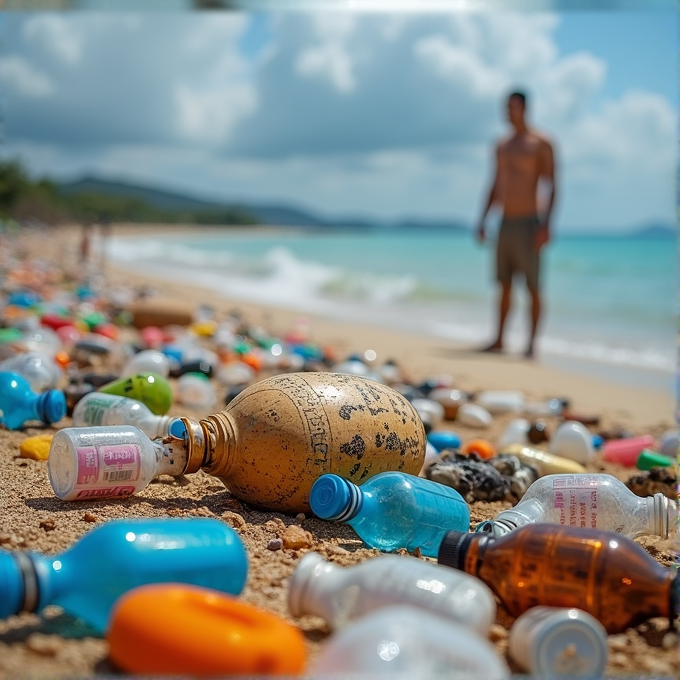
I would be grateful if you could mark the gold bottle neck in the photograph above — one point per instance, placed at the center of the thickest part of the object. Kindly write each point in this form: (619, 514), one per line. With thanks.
(209, 444)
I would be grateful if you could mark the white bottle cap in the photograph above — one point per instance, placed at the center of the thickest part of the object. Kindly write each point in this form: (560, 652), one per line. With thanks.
(553, 642)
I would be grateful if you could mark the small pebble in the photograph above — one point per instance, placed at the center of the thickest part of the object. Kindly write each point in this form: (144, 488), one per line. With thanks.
(618, 659)
(670, 640)
(300, 517)
(48, 525)
(48, 645)
(275, 544)
(234, 520)
(295, 537)
(36, 448)
(89, 517)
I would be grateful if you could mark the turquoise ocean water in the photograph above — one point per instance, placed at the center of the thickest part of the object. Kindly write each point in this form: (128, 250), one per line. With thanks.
(610, 302)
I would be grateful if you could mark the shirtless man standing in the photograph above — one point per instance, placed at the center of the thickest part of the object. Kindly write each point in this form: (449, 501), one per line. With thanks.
(523, 159)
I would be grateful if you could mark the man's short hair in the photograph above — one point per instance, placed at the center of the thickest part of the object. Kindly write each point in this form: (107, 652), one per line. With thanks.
(520, 95)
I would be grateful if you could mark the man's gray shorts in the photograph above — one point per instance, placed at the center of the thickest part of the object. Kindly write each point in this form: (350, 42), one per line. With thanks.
(516, 250)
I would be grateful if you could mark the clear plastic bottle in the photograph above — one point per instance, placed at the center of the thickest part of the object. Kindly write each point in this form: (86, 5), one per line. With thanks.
(147, 361)
(117, 556)
(196, 391)
(339, 595)
(405, 642)
(392, 510)
(87, 463)
(19, 404)
(39, 368)
(98, 408)
(596, 501)
(602, 572)
(554, 642)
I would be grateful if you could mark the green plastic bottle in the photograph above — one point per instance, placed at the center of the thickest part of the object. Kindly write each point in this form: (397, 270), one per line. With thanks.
(151, 389)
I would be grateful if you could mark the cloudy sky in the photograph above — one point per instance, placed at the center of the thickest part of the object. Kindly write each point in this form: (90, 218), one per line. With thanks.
(348, 114)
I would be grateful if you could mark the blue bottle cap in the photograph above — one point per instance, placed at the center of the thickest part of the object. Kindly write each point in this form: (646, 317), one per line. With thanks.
(333, 497)
(444, 439)
(177, 429)
(52, 406)
(597, 442)
(11, 588)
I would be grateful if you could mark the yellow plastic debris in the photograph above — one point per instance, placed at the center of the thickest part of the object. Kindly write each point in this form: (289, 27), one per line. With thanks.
(37, 448)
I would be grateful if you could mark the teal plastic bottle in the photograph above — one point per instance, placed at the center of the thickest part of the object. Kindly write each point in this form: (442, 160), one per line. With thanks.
(19, 403)
(89, 577)
(392, 510)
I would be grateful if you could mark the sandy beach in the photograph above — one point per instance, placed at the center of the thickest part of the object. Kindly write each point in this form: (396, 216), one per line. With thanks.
(32, 518)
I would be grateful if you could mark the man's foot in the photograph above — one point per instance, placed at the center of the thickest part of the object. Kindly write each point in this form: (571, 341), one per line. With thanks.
(529, 353)
(493, 348)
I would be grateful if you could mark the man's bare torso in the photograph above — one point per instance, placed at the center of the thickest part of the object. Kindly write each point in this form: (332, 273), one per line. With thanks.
(522, 160)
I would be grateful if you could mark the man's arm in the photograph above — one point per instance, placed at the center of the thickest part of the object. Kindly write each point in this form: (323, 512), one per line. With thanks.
(491, 199)
(547, 174)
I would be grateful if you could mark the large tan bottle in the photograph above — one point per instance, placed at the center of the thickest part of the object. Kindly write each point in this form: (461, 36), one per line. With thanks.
(273, 441)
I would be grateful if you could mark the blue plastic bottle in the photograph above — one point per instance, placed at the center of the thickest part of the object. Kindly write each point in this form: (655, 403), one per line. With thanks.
(88, 578)
(392, 510)
(19, 403)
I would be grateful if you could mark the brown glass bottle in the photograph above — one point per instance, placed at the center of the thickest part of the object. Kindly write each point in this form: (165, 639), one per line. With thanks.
(278, 436)
(601, 572)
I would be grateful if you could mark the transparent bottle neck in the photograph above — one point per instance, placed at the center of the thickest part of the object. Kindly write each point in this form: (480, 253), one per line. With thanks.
(661, 515)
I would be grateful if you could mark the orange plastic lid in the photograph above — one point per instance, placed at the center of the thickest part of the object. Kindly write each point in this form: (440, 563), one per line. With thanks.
(173, 628)
(481, 447)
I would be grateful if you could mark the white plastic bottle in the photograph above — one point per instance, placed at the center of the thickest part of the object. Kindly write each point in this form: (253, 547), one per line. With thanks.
(594, 501)
(408, 642)
(340, 595)
(551, 642)
(196, 391)
(91, 463)
(147, 361)
(573, 440)
(99, 408)
(38, 367)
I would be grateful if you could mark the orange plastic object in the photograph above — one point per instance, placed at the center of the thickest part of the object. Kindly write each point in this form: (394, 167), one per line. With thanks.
(62, 358)
(170, 629)
(253, 361)
(481, 447)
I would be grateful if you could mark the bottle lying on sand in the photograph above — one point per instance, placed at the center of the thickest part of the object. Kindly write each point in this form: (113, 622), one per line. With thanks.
(117, 556)
(596, 501)
(20, 404)
(604, 573)
(275, 439)
(392, 510)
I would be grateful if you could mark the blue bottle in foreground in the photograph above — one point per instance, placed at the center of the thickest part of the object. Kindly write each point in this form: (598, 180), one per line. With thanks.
(392, 510)
(19, 403)
(88, 578)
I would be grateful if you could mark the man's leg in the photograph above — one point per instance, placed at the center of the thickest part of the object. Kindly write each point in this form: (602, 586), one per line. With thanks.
(504, 298)
(535, 313)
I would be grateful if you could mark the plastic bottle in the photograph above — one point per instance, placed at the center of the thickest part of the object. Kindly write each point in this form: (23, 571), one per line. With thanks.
(545, 463)
(39, 368)
(648, 460)
(147, 361)
(117, 556)
(392, 510)
(604, 573)
(573, 440)
(552, 642)
(116, 461)
(516, 432)
(19, 404)
(274, 440)
(196, 391)
(501, 401)
(151, 389)
(98, 408)
(444, 439)
(474, 415)
(407, 642)
(596, 501)
(170, 630)
(626, 451)
(340, 595)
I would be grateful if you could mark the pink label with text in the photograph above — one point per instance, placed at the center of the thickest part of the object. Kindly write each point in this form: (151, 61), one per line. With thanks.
(576, 499)
(110, 492)
(88, 465)
(120, 463)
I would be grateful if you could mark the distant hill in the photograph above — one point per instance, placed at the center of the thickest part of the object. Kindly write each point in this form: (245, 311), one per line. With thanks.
(271, 214)
(656, 231)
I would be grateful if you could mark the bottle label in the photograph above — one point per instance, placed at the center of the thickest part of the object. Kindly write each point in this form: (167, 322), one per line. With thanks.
(108, 464)
(575, 496)
(95, 410)
(108, 492)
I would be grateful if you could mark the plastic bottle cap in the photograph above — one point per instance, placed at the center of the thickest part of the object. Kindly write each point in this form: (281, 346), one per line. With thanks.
(453, 548)
(649, 459)
(52, 406)
(177, 429)
(10, 585)
(331, 497)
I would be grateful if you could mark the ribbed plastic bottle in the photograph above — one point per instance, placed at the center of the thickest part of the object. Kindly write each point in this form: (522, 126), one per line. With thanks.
(392, 510)
(19, 404)
(115, 461)
(278, 436)
(340, 595)
(604, 573)
(117, 556)
(596, 501)
(406, 642)
(101, 409)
